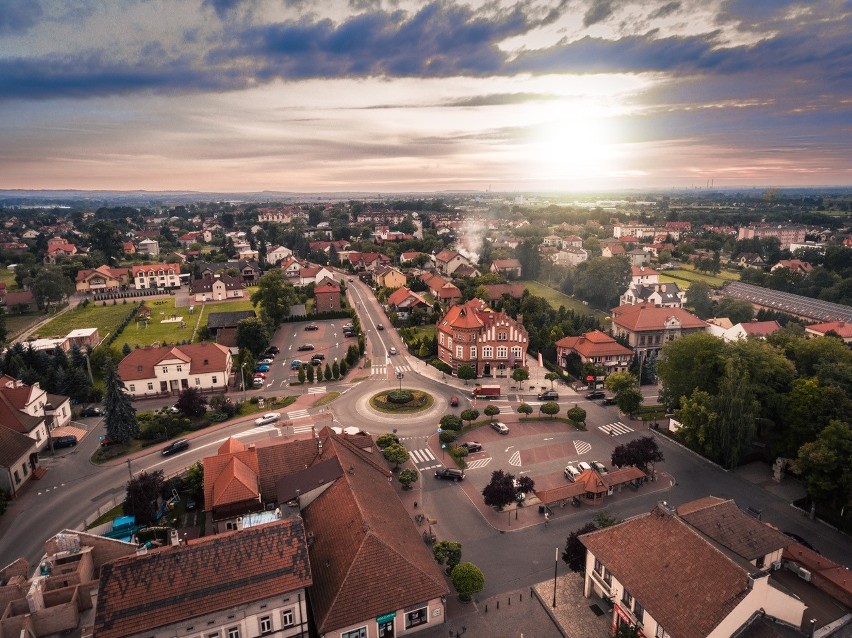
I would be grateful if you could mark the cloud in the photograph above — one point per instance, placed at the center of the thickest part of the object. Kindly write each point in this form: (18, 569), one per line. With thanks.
(666, 10)
(598, 12)
(500, 99)
(18, 16)
(223, 7)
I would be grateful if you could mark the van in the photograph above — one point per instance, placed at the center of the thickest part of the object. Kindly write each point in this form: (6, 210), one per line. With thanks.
(571, 473)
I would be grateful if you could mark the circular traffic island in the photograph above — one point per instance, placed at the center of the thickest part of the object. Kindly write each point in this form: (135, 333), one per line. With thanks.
(401, 401)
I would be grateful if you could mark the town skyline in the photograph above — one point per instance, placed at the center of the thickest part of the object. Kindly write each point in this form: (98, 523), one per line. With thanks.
(394, 97)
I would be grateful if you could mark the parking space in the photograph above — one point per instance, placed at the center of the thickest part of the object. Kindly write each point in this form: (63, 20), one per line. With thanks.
(327, 340)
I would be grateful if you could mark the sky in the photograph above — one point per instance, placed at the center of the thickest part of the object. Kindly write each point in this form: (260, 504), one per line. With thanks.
(392, 96)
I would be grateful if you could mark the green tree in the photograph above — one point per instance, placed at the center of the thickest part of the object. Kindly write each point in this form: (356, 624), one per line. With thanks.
(143, 490)
(275, 295)
(520, 374)
(335, 370)
(51, 287)
(467, 579)
(327, 371)
(451, 422)
(618, 381)
(120, 419)
(825, 465)
(693, 362)
(309, 370)
(551, 408)
(737, 310)
(301, 375)
(386, 439)
(491, 411)
(125, 349)
(195, 479)
(447, 553)
(191, 403)
(344, 368)
(252, 335)
(470, 415)
(698, 299)
(576, 414)
(500, 490)
(551, 376)
(395, 453)
(737, 410)
(408, 477)
(629, 400)
(574, 554)
(525, 409)
(465, 372)
(809, 407)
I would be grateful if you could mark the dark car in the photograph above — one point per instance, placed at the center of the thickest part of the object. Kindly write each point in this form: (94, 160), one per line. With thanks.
(596, 394)
(106, 442)
(175, 446)
(311, 326)
(449, 474)
(273, 350)
(306, 346)
(92, 410)
(471, 446)
(379, 326)
(189, 504)
(548, 395)
(608, 401)
(319, 355)
(64, 441)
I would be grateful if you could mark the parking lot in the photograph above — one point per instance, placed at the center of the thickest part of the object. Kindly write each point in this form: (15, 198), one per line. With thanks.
(327, 340)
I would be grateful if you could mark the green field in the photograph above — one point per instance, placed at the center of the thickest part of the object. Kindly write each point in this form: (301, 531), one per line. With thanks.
(104, 318)
(683, 276)
(556, 298)
(8, 276)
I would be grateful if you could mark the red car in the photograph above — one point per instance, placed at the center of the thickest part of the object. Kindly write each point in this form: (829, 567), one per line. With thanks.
(454, 401)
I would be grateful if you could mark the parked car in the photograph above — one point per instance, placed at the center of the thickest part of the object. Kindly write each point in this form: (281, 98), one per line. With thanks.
(106, 442)
(454, 401)
(265, 362)
(189, 503)
(258, 382)
(273, 350)
(306, 346)
(471, 446)
(500, 427)
(295, 364)
(548, 395)
(379, 327)
(260, 375)
(263, 367)
(449, 474)
(60, 442)
(319, 356)
(311, 327)
(571, 473)
(608, 401)
(596, 394)
(600, 467)
(92, 410)
(175, 446)
(269, 417)
(173, 409)
(392, 350)
(583, 466)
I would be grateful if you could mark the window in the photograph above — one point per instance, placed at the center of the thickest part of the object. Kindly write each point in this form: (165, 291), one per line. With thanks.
(639, 611)
(441, 337)
(17, 477)
(450, 343)
(24, 469)
(206, 361)
(214, 380)
(215, 634)
(502, 352)
(516, 352)
(487, 352)
(761, 561)
(598, 567)
(233, 632)
(459, 352)
(165, 369)
(287, 619)
(197, 380)
(608, 578)
(416, 617)
(361, 632)
(626, 598)
(473, 352)
(132, 387)
(265, 624)
(150, 386)
(501, 336)
(179, 368)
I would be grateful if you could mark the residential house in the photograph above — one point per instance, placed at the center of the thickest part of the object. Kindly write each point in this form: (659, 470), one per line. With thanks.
(20, 302)
(58, 249)
(750, 260)
(552, 240)
(15, 247)
(217, 288)
(222, 326)
(448, 260)
(238, 584)
(610, 249)
(277, 253)
(247, 269)
(85, 338)
(569, 256)
(509, 267)
(313, 275)
(367, 261)
(667, 295)
(247, 253)
(754, 329)
(156, 276)
(187, 239)
(327, 298)
(18, 459)
(676, 229)
(444, 291)
(795, 266)
(842, 329)
(473, 334)
(32, 411)
(171, 369)
(402, 301)
(594, 347)
(389, 277)
(496, 291)
(648, 327)
(691, 586)
(638, 257)
(657, 248)
(128, 248)
(644, 275)
(102, 279)
(409, 256)
(291, 267)
(786, 234)
(572, 241)
(150, 247)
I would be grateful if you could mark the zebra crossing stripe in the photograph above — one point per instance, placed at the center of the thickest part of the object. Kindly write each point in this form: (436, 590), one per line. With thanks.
(296, 414)
(320, 390)
(515, 459)
(506, 409)
(423, 455)
(302, 428)
(615, 429)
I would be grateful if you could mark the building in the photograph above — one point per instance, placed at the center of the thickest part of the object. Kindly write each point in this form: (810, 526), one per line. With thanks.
(18, 460)
(57, 249)
(150, 247)
(788, 303)
(786, 234)
(85, 338)
(667, 295)
(594, 347)
(445, 291)
(102, 279)
(217, 288)
(638, 257)
(172, 369)
(31, 411)
(496, 291)
(277, 253)
(490, 342)
(648, 327)
(389, 277)
(644, 275)
(610, 249)
(403, 301)
(367, 261)
(633, 229)
(327, 298)
(156, 276)
(754, 329)
(841, 328)
(508, 267)
(239, 584)
(696, 584)
(795, 266)
(569, 256)
(448, 260)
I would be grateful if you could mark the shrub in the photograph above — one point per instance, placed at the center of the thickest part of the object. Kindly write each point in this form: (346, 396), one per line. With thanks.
(451, 422)
(447, 436)
(467, 579)
(408, 477)
(384, 440)
(400, 396)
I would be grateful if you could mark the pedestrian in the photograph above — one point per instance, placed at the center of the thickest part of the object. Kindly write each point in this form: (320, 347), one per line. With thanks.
(546, 517)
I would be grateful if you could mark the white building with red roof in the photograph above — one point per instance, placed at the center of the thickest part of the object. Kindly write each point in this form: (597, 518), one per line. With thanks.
(490, 342)
(169, 370)
(648, 327)
(156, 276)
(843, 329)
(594, 347)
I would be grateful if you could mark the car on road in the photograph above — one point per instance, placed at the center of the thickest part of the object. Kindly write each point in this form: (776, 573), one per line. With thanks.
(173, 409)
(311, 327)
(502, 428)
(596, 394)
(106, 442)
(265, 362)
(571, 473)
(64, 441)
(471, 446)
(548, 395)
(379, 326)
(272, 350)
(266, 419)
(449, 474)
(608, 401)
(175, 446)
(295, 364)
(392, 350)
(263, 367)
(454, 401)
(92, 410)
(305, 346)
(583, 466)
(600, 467)
(319, 356)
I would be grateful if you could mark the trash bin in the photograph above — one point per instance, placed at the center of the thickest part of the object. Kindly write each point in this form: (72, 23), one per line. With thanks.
(541, 509)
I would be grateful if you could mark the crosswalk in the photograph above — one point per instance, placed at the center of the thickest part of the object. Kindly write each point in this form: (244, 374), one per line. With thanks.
(402, 368)
(379, 371)
(614, 429)
(297, 414)
(504, 408)
(478, 463)
(320, 389)
(424, 459)
(300, 429)
(582, 447)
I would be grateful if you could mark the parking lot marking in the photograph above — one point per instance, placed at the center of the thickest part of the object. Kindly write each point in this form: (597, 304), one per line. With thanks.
(478, 463)
(515, 459)
(423, 455)
(582, 447)
(318, 390)
(614, 429)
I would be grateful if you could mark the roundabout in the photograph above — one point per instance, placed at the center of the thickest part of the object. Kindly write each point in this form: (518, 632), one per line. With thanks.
(402, 401)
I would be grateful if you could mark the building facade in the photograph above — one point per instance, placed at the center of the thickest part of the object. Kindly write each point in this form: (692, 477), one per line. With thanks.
(473, 334)
(170, 370)
(594, 347)
(648, 328)
(156, 276)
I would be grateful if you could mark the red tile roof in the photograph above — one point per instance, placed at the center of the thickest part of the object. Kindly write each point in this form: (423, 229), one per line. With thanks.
(202, 357)
(206, 576)
(761, 328)
(594, 344)
(13, 445)
(327, 289)
(154, 269)
(842, 328)
(641, 317)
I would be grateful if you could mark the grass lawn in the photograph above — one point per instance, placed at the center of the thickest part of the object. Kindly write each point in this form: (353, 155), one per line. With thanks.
(104, 318)
(16, 324)
(8, 277)
(556, 298)
(688, 274)
(429, 330)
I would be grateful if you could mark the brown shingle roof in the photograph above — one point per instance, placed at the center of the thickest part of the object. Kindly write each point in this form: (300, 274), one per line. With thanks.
(650, 317)
(202, 357)
(594, 344)
(174, 584)
(236, 482)
(13, 445)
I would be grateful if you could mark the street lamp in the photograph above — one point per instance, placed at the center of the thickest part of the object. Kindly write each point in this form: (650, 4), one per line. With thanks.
(400, 376)
(243, 375)
(555, 566)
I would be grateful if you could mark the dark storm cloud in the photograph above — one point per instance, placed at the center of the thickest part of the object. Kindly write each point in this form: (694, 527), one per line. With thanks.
(599, 11)
(223, 7)
(18, 16)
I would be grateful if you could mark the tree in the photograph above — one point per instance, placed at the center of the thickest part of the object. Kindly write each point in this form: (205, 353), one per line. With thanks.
(191, 403)
(140, 501)
(275, 295)
(698, 299)
(491, 411)
(525, 409)
(629, 400)
(467, 579)
(575, 552)
(120, 419)
(335, 370)
(301, 374)
(126, 349)
(520, 374)
(395, 453)
(551, 408)
(639, 452)
(470, 415)
(465, 372)
(737, 310)
(327, 371)
(252, 335)
(824, 464)
(551, 376)
(344, 368)
(408, 477)
(447, 553)
(195, 479)
(451, 422)
(576, 414)
(692, 362)
(500, 491)
(386, 439)
(618, 381)
(309, 370)
(51, 287)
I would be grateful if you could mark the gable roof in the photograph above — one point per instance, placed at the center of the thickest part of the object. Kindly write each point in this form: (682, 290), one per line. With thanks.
(446, 255)
(202, 357)
(216, 320)
(205, 284)
(506, 264)
(594, 344)
(205, 576)
(760, 328)
(13, 445)
(649, 317)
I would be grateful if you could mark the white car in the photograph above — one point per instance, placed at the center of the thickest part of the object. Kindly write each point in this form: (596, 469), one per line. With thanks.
(500, 427)
(583, 466)
(571, 473)
(392, 350)
(265, 362)
(269, 417)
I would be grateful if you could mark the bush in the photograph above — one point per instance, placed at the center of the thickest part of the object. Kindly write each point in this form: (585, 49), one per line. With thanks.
(451, 422)
(400, 396)
(467, 579)
(443, 367)
(408, 477)
(217, 416)
(384, 440)
(447, 436)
